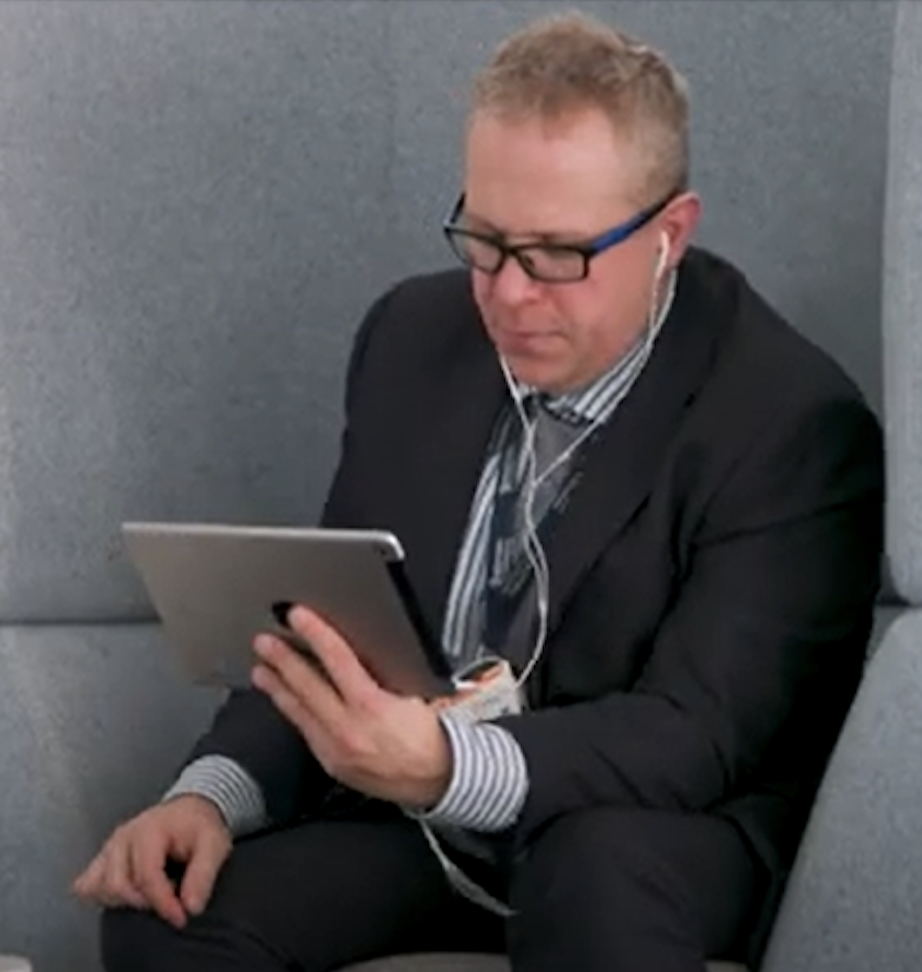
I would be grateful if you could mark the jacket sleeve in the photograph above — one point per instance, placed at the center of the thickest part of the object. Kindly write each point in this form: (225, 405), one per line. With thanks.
(247, 728)
(764, 641)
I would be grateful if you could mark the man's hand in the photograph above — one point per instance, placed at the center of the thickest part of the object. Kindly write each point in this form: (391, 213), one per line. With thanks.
(130, 870)
(384, 745)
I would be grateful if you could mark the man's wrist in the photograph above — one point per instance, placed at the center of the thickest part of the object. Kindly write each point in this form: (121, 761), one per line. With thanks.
(430, 790)
(229, 787)
(489, 781)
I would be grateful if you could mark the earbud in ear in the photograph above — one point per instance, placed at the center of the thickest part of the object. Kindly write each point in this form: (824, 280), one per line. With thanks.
(663, 254)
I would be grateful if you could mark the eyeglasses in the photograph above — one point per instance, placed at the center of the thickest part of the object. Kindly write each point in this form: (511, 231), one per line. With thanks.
(547, 262)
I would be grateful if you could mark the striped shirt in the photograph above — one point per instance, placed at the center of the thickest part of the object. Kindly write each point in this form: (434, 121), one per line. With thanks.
(489, 782)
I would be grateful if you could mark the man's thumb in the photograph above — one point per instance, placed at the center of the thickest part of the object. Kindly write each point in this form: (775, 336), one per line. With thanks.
(201, 871)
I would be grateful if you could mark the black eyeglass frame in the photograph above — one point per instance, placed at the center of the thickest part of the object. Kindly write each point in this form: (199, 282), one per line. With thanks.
(587, 250)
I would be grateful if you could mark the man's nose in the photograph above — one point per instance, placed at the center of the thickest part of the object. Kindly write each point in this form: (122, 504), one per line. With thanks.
(511, 284)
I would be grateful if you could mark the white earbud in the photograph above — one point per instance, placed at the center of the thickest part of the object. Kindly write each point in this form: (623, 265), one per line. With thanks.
(663, 256)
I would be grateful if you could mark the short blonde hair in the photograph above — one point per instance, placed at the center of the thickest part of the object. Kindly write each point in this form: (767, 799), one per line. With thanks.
(561, 65)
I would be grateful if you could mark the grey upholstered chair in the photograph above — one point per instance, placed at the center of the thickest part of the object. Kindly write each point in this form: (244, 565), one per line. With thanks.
(470, 963)
(856, 894)
(196, 203)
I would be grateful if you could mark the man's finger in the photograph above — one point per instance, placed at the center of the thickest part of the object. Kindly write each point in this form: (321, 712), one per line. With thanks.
(201, 872)
(296, 705)
(106, 881)
(347, 673)
(292, 675)
(148, 862)
(321, 737)
(118, 882)
(89, 883)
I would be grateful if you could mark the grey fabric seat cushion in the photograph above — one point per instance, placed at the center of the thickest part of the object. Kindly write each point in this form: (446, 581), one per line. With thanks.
(93, 722)
(469, 963)
(855, 893)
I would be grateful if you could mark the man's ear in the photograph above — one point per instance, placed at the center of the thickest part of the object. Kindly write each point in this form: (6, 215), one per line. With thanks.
(679, 223)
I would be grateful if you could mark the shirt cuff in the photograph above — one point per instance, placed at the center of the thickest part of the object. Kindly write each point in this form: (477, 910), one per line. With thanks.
(489, 781)
(229, 786)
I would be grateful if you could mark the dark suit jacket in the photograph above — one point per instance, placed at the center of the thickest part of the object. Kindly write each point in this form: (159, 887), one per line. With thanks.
(712, 580)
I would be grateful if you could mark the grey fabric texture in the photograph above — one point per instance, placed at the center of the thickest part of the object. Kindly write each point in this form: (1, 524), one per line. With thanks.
(199, 200)
(93, 723)
(435, 963)
(902, 317)
(854, 900)
(192, 195)
(470, 963)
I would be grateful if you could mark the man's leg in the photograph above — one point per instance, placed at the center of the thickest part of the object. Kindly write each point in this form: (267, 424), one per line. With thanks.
(313, 898)
(613, 890)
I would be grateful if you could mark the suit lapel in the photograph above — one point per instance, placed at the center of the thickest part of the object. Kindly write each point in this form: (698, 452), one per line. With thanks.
(623, 463)
(457, 418)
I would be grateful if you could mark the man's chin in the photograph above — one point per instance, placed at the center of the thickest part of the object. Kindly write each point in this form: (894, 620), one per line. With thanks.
(543, 376)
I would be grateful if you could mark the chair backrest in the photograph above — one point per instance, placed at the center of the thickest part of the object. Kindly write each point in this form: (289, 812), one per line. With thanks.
(855, 897)
(188, 235)
(197, 202)
(902, 317)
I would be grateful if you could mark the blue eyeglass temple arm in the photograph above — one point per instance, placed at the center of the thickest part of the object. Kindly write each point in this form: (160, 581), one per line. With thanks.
(620, 233)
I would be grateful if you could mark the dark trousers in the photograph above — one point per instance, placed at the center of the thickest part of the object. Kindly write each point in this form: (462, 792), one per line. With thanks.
(606, 890)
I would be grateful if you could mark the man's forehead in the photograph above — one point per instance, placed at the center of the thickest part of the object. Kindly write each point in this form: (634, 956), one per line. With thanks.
(552, 209)
(552, 227)
(515, 168)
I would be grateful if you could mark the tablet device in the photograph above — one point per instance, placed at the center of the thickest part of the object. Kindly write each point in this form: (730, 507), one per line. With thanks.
(215, 587)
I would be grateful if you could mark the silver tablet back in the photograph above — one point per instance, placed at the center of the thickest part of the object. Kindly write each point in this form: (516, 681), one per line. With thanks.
(215, 587)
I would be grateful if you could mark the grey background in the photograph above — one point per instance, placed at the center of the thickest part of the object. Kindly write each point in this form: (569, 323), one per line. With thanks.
(902, 318)
(198, 200)
(856, 891)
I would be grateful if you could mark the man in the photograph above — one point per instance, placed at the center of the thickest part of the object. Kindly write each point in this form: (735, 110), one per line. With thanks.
(612, 465)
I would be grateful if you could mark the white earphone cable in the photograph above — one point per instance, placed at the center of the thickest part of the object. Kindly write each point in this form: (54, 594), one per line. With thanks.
(533, 547)
(537, 559)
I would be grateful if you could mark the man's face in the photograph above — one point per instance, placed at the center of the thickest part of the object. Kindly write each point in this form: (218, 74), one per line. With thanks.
(567, 182)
